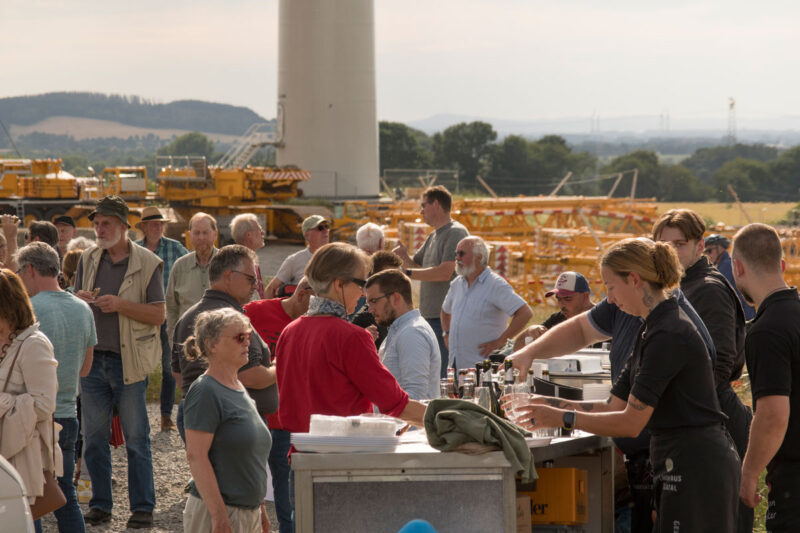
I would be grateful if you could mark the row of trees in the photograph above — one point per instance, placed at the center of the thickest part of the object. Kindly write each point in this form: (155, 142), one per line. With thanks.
(517, 165)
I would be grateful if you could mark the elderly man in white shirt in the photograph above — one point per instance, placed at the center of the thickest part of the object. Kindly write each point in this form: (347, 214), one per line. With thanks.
(475, 313)
(410, 350)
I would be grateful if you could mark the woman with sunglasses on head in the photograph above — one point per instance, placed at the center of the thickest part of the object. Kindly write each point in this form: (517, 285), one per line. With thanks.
(667, 385)
(227, 441)
(325, 364)
(28, 386)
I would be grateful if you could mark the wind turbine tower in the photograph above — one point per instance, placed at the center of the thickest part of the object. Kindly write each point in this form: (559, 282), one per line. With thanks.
(731, 138)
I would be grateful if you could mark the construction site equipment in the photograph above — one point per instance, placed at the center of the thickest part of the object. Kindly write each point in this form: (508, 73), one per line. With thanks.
(188, 184)
(38, 189)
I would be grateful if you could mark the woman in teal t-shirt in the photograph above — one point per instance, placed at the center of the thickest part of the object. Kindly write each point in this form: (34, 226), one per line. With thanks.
(227, 441)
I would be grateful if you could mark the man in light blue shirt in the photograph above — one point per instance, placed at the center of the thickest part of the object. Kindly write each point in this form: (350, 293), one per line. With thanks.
(477, 307)
(410, 351)
(69, 324)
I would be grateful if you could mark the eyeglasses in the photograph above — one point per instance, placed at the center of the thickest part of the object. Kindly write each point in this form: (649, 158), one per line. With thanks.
(242, 338)
(323, 227)
(252, 279)
(373, 301)
(460, 253)
(360, 282)
(707, 251)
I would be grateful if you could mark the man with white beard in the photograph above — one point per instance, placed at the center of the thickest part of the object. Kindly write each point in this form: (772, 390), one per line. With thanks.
(122, 283)
(477, 307)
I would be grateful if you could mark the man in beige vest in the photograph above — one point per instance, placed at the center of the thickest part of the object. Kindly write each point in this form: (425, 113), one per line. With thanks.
(122, 282)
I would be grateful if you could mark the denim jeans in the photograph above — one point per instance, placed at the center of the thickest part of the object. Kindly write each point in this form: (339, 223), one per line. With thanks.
(279, 467)
(179, 423)
(69, 517)
(100, 390)
(167, 380)
(436, 325)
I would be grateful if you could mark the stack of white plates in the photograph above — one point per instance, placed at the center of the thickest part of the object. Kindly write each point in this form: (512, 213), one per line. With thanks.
(593, 392)
(306, 442)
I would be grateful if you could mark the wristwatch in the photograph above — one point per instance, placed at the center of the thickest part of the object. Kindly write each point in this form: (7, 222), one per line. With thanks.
(408, 272)
(569, 420)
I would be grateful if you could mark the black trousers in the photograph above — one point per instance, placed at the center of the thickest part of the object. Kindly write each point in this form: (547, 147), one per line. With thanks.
(738, 425)
(640, 481)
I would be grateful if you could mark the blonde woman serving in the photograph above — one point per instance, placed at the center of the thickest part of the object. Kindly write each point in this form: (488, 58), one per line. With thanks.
(668, 387)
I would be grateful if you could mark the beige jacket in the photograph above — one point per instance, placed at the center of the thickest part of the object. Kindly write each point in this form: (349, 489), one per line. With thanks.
(27, 407)
(139, 343)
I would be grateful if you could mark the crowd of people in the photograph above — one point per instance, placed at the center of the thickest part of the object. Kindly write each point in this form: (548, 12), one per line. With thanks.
(335, 331)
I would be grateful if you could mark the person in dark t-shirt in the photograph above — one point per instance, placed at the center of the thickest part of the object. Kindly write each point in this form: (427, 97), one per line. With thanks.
(666, 386)
(718, 305)
(772, 349)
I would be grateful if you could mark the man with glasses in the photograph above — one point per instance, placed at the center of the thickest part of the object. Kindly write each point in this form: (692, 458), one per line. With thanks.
(410, 350)
(247, 231)
(232, 273)
(434, 264)
(316, 232)
(477, 307)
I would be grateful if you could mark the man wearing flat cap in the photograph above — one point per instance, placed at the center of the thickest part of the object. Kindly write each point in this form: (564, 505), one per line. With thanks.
(316, 231)
(168, 250)
(123, 284)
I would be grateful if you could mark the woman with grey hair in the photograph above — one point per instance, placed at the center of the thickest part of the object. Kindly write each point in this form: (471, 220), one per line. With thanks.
(227, 441)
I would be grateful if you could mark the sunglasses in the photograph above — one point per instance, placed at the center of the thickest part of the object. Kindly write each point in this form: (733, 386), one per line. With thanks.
(252, 279)
(373, 301)
(360, 282)
(323, 227)
(242, 338)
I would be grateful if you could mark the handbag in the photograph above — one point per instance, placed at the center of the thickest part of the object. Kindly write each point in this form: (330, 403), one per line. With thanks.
(52, 497)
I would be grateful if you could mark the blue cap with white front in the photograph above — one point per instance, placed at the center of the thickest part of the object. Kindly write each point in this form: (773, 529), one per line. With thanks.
(569, 283)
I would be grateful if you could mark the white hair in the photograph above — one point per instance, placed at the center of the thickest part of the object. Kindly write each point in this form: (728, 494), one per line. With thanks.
(241, 224)
(369, 237)
(479, 247)
(79, 243)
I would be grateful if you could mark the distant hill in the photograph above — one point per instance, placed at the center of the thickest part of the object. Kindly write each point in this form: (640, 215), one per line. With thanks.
(186, 115)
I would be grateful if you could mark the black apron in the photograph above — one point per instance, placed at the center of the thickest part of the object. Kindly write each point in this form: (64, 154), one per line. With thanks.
(783, 511)
(738, 425)
(696, 474)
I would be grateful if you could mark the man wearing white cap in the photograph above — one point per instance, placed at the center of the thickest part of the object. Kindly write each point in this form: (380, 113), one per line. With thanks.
(573, 297)
(316, 232)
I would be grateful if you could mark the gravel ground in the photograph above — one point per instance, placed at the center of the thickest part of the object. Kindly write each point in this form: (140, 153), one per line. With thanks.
(170, 469)
(171, 473)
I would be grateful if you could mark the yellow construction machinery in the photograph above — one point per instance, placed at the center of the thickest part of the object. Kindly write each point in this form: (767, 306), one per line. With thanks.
(38, 189)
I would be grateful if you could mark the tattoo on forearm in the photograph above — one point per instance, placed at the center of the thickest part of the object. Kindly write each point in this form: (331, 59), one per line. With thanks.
(636, 404)
(555, 402)
(586, 406)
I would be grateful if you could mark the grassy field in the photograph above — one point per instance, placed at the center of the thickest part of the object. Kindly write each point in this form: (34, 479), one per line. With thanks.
(730, 214)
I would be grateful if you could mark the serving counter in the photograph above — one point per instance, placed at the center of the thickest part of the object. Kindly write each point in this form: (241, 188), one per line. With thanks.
(456, 492)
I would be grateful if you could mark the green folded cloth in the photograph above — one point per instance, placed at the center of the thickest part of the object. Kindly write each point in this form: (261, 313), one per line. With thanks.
(452, 423)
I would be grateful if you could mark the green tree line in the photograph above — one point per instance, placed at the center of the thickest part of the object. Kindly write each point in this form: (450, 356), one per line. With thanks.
(516, 165)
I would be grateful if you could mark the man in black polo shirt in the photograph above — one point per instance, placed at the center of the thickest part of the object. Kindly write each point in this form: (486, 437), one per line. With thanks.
(716, 302)
(773, 362)
(232, 274)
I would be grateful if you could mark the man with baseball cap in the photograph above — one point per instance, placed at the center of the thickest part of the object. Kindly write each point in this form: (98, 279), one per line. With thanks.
(66, 232)
(122, 283)
(716, 248)
(316, 231)
(169, 251)
(573, 297)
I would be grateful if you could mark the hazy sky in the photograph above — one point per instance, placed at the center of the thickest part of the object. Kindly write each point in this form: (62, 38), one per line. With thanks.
(512, 59)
